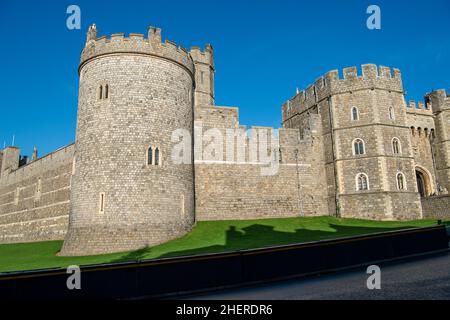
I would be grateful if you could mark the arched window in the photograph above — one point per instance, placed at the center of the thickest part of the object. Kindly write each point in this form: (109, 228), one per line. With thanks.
(362, 182)
(103, 91)
(396, 147)
(401, 181)
(355, 114)
(150, 156)
(358, 147)
(391, 113)
(153, 156)
(156, 156)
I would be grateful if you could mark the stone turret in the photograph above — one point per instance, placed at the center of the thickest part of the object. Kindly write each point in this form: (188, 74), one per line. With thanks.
(204, 75)
(92, 34)
(126, 191)
(34, 156)
(10, 160)
(439, 101)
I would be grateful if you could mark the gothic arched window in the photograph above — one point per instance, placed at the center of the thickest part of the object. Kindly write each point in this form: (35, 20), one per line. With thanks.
(396, 147)
(358, 147)
(153, 156)
(401, 183)
(362, 182)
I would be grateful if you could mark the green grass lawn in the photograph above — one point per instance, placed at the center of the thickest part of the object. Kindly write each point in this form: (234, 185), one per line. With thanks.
(207, 237)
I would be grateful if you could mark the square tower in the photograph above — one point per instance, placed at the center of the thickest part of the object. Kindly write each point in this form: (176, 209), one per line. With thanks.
(366, 142)
(440, 104)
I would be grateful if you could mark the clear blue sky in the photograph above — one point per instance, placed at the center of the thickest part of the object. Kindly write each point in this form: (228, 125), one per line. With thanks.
(264, 50)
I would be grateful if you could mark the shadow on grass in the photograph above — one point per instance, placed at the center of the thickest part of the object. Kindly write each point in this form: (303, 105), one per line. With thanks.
(136, 255)
(259, 236)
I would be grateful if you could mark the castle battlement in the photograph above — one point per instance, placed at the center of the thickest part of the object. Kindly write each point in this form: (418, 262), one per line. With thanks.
(371, 77)
(45, 163)
(134, 43)
(419, 108)
(206, 56)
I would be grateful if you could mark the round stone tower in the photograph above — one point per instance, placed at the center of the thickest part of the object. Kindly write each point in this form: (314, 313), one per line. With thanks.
(127, 193)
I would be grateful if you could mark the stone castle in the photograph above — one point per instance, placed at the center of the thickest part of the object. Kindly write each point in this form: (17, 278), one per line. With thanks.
(349, 147)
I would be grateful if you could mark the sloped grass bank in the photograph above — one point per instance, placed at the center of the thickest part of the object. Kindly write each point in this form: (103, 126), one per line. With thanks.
(207, 237)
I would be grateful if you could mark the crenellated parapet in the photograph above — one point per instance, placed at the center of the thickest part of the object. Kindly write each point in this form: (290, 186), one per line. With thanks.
(135, 43)
(206, 56)
(421, 108)
(371, 77)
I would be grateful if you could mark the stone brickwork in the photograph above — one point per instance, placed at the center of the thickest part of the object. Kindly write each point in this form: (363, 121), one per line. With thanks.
(232, 188)
(381, 117)
(439, 102)
(420, 120)
(35, 199)
(437, 207)
(137, 94)
(150, 96)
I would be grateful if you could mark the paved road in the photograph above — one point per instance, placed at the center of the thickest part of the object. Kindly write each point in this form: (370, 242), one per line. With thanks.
(424, 278)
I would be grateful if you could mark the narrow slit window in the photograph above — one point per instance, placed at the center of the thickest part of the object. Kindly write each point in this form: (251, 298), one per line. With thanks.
(102, 203)
(39, 186)
(150, 156)
(355, 114)
(391, 113)
(182, 204)
(157, 156)
(100, 92)
(106, 91)
(401, 185)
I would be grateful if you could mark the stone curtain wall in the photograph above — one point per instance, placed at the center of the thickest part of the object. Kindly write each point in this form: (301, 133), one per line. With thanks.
(34, 199)
(239, 190)
(437, 207)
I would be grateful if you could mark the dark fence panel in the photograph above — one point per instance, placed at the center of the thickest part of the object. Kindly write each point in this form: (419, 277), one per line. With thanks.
(155, 278)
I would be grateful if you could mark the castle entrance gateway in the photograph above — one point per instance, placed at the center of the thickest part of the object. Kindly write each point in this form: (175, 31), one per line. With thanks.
(423, 182)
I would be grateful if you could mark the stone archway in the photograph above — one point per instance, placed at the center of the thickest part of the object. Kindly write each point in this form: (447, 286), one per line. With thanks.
(424, 186)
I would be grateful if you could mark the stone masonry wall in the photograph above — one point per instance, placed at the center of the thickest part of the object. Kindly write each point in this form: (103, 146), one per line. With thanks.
(230, 189)
(437, 207)
(420, 120)
(120, 201)
(377, 95)
(34, 199)
(440, 104)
